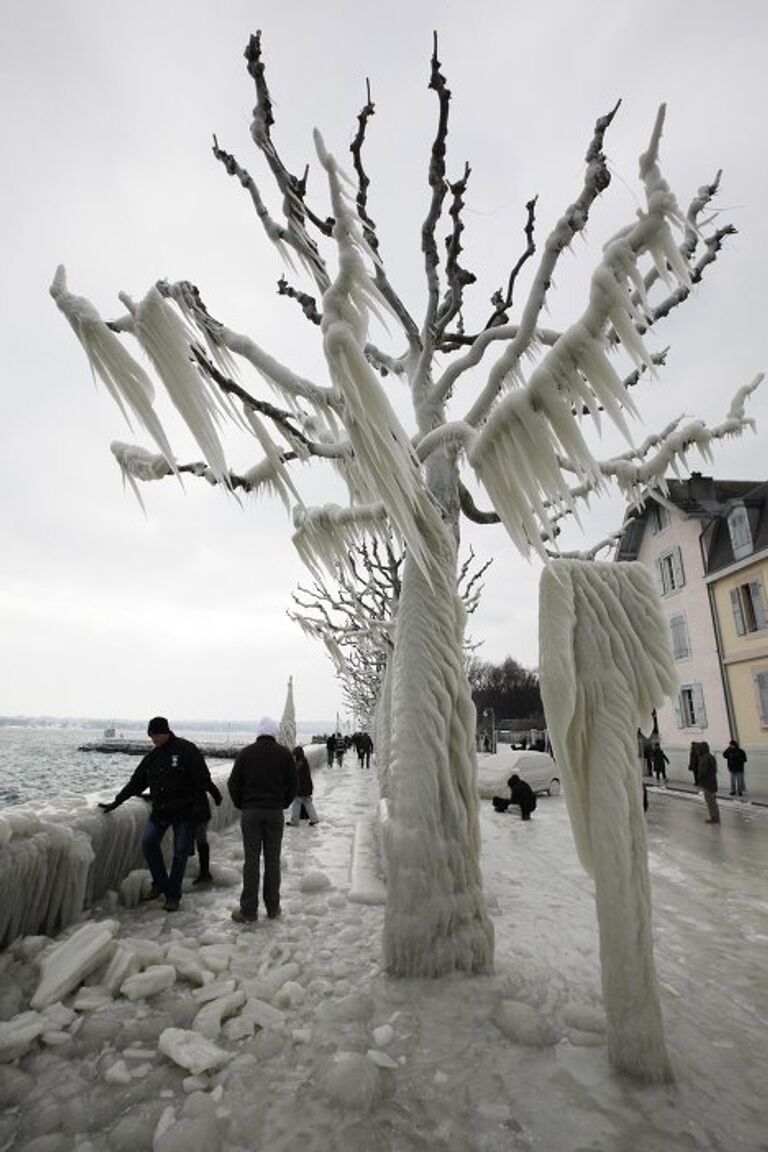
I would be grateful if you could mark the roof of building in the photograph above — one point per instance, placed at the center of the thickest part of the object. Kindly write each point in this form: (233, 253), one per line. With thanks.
(709, 500)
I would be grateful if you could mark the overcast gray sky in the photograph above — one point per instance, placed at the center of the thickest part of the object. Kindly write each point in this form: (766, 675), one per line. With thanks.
(108, 115)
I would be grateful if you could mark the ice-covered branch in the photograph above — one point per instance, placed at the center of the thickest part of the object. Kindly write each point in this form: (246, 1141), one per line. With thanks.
(472, 512)
(456, 435)
(458, 278)
(502, 301)
(634, 478)
(439, 188)
(308, 303)
(125, 380)
(293, 189)
(369, 227)
(324, 536)
(596, 179)
(478, 345)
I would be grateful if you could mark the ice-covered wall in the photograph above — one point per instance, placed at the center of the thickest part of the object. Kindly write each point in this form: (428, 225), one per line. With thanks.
(55, 860)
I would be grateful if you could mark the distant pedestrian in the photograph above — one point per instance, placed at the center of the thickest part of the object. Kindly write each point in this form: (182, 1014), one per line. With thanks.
(659, 759)
(707, 774)
(262, 783)
(693, 761)
(176, 775)
(204, 876)
(304, 790)
(365, 749)
(339, 748)
(330, 748)
(522, 795)
(736, 758)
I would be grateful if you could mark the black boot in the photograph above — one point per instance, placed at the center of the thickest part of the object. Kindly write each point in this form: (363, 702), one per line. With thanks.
(204, 856)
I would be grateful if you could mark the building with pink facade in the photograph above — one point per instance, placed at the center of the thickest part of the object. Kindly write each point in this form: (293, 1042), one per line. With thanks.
(687, 539)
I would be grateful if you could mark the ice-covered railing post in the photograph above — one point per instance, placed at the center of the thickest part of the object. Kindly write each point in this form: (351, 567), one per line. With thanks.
(522, 433)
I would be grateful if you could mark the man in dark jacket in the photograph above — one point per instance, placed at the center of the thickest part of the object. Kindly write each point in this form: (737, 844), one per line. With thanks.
(736, 758)
(522, 795)
(707, 777)
(262, 783)
(176, 775)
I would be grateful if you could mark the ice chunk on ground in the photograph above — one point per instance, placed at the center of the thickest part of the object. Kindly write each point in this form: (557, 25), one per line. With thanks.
(357, 1006)
(584, 1018)
(381, 1059)
(383, 1035)
(214, 990)
(314, 882)
(18, 1034)
(290, 994)
(148, 983)
(525, 1025)
(192, 1051)
(146, 951)
(66, 965)
(216, 956)
(262, 1014)
(188, 964)
(352, 1081)
(118, 1073)
(209, 1019)
(124, 963)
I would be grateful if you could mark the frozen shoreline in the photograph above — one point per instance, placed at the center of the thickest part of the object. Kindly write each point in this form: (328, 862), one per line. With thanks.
(512, 1061)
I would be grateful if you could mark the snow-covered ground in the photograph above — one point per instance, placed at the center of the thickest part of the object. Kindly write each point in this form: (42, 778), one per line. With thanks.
(314, 1048)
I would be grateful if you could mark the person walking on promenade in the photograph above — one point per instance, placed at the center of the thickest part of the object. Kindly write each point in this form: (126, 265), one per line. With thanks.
(659, 758)
(366, 747)
(262, 784)
(175, 772)
(707, 779)
(204, 876)
(330, 748)
(304, 791)
(522, 795)
(736, 758)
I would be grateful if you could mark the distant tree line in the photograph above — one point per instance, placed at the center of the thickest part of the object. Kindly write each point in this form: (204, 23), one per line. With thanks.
(511, 690)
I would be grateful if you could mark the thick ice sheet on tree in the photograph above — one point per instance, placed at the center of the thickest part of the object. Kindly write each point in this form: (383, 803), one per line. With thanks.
(605, 663)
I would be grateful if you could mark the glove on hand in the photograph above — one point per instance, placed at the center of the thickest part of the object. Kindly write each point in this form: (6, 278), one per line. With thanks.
(107, 807)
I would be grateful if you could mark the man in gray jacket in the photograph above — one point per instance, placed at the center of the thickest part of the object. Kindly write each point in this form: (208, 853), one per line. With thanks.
(262, 783)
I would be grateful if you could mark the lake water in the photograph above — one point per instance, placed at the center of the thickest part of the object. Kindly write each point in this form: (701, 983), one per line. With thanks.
(37, 764)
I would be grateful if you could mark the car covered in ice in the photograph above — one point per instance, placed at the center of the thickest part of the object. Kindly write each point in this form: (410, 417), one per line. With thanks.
(537, 768)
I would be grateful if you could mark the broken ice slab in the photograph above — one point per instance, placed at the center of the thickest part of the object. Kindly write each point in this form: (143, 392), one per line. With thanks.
(17, 1034)
(209, 1019)
(67, 964)
(148, 983)
(192, 1051)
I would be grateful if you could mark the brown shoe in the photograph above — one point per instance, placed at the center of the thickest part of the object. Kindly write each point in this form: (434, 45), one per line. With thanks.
(241, 918)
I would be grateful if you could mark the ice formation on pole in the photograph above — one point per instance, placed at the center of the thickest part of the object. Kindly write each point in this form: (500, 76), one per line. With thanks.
(287, 731)
(605, 663)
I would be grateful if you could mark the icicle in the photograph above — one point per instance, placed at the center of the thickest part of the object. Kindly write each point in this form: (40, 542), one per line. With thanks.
(166, 340)
(125, 380)
(271, 452)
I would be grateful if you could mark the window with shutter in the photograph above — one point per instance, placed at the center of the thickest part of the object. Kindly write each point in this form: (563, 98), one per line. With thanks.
(681, 643)
(670, 573)
(748, 605)
(699, 711)
(740, 532)
(761, 686)
(692, 711)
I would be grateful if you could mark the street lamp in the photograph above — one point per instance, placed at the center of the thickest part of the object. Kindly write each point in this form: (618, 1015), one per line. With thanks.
(492, 714)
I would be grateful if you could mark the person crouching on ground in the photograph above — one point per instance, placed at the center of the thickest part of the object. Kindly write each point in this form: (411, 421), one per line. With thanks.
(175, 772)
(522, 795)
(304, 791)
(262, 783)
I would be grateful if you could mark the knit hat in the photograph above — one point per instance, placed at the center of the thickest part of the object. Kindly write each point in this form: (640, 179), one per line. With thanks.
(158, 726)
(267, 727)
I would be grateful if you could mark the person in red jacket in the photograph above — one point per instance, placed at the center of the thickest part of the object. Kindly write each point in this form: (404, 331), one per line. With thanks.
(262, 783)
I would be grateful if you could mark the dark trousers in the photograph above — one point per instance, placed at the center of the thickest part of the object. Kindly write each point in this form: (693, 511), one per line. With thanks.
(151, 840)
(262, 830)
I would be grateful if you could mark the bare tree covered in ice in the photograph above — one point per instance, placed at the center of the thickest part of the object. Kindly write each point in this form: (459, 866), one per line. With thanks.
(522, 436)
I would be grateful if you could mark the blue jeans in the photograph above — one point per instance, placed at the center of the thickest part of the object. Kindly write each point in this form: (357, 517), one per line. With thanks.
(183, 839)
(737, 783)
(262, 830)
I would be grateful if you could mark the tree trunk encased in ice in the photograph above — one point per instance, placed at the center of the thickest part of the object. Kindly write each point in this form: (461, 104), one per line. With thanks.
(436, 920)
(605, 663)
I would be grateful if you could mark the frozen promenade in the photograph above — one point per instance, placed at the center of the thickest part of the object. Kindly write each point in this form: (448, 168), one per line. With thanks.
(341, 1057)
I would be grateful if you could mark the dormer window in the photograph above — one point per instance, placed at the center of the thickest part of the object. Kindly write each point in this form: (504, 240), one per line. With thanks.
(740, 532)
(658, 518)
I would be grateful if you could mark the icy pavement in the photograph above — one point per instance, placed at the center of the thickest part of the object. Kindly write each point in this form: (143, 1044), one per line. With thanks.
(192, 1033)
